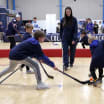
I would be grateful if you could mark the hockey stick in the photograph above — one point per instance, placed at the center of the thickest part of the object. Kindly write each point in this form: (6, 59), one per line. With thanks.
(9, 75)
(81, 82)
(49, 76)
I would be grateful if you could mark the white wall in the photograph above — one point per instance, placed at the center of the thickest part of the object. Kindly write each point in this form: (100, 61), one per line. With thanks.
(39, 8)
(3, 3)
(85, 8)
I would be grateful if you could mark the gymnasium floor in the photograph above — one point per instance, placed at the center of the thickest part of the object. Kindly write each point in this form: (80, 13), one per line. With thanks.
(21, 89)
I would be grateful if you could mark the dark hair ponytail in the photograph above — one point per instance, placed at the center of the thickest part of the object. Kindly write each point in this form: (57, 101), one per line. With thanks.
(68, 20)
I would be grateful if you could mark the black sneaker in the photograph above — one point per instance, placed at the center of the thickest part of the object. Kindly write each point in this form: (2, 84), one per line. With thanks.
(71, 65)
(97, 83)
(100, 79)
(65, 68)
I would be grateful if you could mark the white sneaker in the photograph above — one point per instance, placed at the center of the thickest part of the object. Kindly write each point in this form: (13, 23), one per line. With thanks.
(41, 86)
(29, 71)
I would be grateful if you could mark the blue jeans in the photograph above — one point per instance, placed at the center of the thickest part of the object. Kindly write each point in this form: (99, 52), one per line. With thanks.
(66, 45)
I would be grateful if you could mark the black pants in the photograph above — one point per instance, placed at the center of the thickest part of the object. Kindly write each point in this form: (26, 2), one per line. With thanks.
(27, 68)
(12, 42)
(93, 71)
(84, 44)
(96, 31)
(66, 45)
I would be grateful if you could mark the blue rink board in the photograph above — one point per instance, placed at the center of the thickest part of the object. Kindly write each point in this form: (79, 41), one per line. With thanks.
(53, 37)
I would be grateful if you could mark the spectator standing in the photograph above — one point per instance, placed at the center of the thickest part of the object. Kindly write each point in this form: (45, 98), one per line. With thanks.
(1, 31)
(90, 26)
(12, 30)
(85, 24)
(35, 24)
(100, 29)
(96, 27)
(58, 28)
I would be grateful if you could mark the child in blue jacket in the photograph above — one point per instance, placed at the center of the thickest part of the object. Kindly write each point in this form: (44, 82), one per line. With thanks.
(84, 39)
(27, 35)
(22, 53)
(90, 27)
(97, 62)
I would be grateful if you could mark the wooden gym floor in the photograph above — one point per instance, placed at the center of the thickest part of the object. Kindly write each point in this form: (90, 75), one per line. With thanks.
(20, 88)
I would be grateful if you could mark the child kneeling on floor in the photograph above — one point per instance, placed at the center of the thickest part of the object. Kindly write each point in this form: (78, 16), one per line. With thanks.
(22, 53)
(97, 62)
(84, 39)
(27, 35)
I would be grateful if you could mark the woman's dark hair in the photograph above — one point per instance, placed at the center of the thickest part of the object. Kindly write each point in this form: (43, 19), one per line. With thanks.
(38, 34)
(68, 19)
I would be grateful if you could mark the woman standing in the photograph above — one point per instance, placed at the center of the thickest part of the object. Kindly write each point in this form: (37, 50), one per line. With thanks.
(68, 33)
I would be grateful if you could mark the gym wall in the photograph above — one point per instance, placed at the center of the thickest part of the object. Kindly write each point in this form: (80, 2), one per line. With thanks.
(10, 4)
(2, 3)
(86, 8)
(39, 8)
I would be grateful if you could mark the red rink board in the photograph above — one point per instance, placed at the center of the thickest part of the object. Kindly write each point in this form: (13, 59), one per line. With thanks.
(53, 53)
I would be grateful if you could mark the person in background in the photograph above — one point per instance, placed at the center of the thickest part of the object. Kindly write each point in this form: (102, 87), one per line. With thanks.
(58, 28)
(90, 26)
(68, 34)
(35, 24)
(85, 24)
(12, 30)
(84, 39)
(1, 31)
(100, 27)
(26, 36)
(96, 27)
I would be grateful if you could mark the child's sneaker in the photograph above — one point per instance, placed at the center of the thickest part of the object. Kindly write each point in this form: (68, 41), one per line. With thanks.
(41, 86)
(28, 71)
(65, 68)
(97, 83)
(71, 65)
